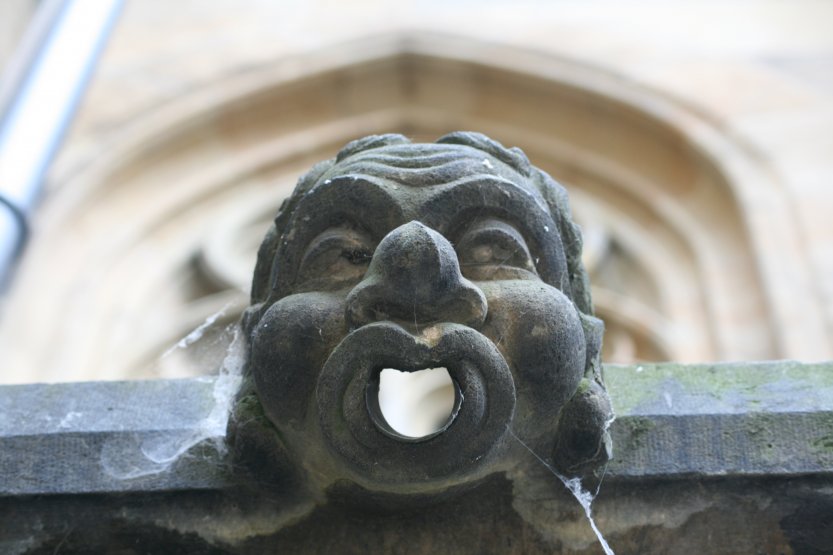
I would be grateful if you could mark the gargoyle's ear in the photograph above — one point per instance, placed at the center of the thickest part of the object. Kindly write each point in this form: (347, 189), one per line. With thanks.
(582, 441)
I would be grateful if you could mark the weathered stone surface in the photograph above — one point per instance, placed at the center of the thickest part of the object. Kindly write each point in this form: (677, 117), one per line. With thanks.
(688, 517)
(457, 254)
(770, 418)
(659, 494)
(104, 436)
(766, 418)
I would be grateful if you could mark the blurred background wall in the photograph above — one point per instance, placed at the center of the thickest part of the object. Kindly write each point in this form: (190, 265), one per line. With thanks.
(695, 138)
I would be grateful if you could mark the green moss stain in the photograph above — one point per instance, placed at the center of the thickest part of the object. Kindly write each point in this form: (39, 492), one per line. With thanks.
(635, 429)
(751, 385)
(583, 386)
(824, 444)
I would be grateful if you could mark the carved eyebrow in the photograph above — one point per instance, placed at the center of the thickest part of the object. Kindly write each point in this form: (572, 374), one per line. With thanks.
(504, 186)
(476, 197)
(362, 200)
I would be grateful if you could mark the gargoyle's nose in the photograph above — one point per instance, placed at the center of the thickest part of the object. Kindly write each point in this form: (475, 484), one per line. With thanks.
(415, 277)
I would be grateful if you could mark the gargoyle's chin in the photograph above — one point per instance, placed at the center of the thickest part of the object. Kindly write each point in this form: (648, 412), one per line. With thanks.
(378, 458)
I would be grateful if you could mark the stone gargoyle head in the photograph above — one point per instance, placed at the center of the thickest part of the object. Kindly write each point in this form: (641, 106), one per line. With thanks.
(456, 254)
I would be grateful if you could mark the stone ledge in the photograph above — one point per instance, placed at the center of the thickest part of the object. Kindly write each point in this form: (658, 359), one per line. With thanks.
(727, 419)
(673, 421)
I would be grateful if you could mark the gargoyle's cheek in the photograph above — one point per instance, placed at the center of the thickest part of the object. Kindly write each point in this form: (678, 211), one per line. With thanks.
(538, 330)
(289, 346)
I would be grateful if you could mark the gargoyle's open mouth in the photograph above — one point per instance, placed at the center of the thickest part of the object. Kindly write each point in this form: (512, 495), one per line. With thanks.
(413, 405)
(356, 430)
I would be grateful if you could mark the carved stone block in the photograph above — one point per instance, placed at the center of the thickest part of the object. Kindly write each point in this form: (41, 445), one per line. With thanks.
(457, 254)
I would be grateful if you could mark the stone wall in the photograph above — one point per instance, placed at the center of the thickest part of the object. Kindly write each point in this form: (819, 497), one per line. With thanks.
(726, 458)
(695, 143)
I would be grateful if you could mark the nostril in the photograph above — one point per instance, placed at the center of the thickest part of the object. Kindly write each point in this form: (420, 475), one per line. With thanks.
(377, 302)
(366, 304)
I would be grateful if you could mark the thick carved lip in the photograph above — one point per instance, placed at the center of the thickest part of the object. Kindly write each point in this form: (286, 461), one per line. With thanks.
(351, 425)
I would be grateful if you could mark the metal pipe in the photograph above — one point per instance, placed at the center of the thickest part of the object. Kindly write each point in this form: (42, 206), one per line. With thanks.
(38, 99)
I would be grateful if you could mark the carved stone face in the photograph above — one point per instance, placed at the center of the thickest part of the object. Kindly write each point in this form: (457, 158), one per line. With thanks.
(414, 256)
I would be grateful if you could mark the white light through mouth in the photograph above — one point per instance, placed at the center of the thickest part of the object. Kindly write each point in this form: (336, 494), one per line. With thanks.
(416, 404)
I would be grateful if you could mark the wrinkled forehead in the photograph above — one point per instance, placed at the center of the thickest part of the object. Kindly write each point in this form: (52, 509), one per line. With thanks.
(431, 165)
(446, 187)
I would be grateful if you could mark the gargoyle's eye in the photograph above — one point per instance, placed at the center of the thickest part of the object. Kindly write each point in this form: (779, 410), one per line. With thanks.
(493, 249)
(336, 258)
